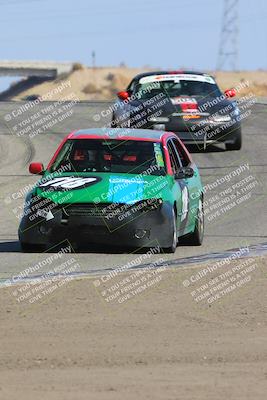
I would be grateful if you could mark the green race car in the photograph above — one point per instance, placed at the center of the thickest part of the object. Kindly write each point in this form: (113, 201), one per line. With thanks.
(125, 187)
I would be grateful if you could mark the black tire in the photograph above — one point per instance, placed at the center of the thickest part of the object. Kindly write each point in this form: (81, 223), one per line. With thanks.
(113, 122)
(237, 143)
(31, 248)
(195, 238)
(174, 233)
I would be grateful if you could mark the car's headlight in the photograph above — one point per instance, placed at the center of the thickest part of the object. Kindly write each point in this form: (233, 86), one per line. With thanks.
(236, 111)
(221, 118)
(37, 206)
(158, 120)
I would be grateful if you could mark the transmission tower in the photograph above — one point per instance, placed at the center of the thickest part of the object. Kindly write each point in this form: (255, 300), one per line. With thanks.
(228, 50)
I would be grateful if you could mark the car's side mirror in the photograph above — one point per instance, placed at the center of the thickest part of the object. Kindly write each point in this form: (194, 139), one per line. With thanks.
(230, 92)
(36, 168)
(123, 95)
(185, 173)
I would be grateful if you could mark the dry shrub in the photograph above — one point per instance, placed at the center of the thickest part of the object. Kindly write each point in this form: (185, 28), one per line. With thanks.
(110, 77)
(77, 66)
(90, 88)
(120, 82)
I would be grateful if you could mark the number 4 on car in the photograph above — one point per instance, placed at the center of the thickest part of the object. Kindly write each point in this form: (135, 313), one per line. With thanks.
(125, 187)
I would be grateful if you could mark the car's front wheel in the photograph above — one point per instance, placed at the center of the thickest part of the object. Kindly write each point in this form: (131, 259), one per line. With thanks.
(113, 121)
(237, 143)
(174, 233)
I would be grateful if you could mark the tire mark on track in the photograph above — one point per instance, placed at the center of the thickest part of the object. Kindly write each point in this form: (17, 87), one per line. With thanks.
(31, 151)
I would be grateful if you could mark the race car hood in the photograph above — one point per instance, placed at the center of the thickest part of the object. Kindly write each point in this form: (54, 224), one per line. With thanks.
(101, 187)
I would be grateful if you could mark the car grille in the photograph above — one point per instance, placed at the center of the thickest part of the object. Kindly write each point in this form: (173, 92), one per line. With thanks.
(90, 209)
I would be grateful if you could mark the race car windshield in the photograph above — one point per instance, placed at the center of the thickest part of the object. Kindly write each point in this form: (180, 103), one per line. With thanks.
(172, 88)
(119, 156)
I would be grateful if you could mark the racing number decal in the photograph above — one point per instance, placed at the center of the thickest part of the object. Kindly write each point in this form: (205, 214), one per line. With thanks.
(185, 203)
(69, 182)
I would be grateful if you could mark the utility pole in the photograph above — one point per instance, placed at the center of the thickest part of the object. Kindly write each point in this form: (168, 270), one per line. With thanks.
(228, 50)
(93, 59)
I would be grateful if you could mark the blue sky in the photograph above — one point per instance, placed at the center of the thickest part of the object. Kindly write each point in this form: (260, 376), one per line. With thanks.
(168, 34)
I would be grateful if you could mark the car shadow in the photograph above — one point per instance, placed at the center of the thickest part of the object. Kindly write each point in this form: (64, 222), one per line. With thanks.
(101, 249)
(192, 148)
(10, 247)
(14, 247)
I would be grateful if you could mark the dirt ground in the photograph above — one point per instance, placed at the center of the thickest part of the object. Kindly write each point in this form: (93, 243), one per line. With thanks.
(166, 342)
(104, 83)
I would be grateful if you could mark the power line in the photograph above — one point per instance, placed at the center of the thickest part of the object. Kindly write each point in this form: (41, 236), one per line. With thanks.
(228, 50)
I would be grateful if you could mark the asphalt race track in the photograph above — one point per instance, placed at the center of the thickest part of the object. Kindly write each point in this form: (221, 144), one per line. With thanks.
(242, 224)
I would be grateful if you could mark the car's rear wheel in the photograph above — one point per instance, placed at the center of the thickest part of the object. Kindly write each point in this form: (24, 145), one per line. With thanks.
(196, 238)
(237, 143)
(113, 121)
(174, 234)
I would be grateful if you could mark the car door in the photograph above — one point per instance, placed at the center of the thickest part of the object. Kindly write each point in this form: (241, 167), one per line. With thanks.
(191, 188)
(180, 192)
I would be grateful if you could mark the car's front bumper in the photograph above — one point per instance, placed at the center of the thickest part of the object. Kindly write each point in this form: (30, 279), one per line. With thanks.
(194, 130)
(147, 228)
(201, 132)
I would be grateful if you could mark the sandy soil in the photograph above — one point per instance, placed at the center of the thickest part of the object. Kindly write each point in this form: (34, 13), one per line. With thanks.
(257, 81)
(87, 84)
(161, 344)
(104, 83)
